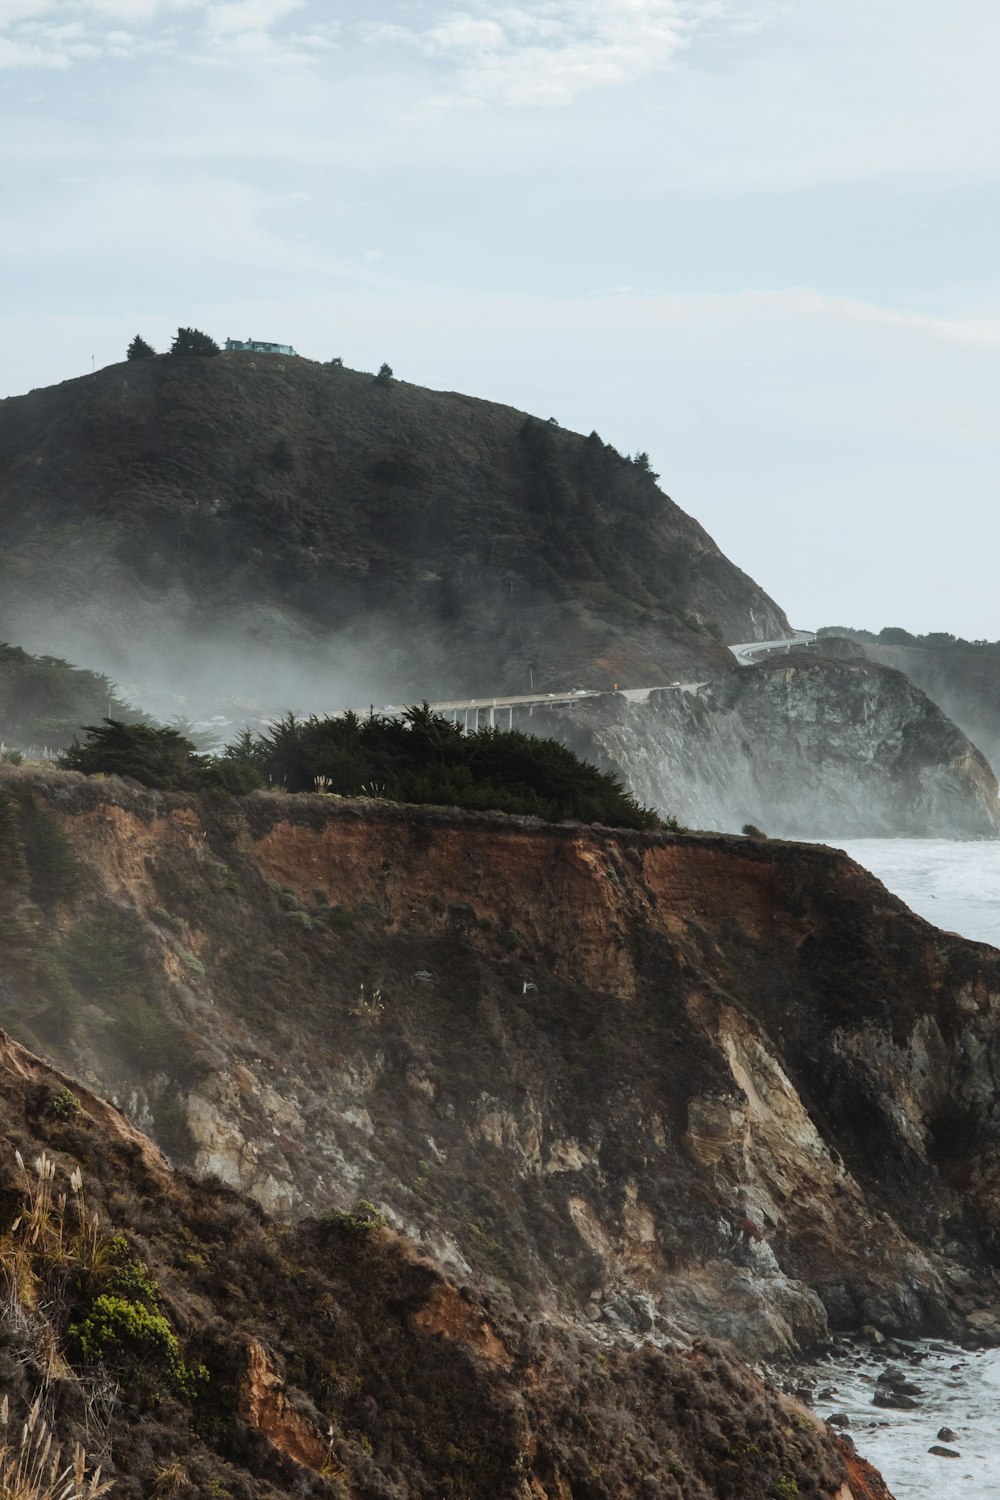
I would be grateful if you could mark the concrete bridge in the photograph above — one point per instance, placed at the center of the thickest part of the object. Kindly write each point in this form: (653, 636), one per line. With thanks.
(472, 713)
(746, 651)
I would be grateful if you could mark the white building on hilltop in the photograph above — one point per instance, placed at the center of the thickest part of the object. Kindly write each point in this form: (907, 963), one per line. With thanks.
(259, 346)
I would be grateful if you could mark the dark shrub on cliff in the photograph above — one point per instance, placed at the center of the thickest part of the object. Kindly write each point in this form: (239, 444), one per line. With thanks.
(424, 758)
(156, 757)
(420, 758)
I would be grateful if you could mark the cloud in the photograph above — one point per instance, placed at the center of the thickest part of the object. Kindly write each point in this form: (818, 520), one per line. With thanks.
(563, 49)
(18, 10)
(92, 28)
(237, 16)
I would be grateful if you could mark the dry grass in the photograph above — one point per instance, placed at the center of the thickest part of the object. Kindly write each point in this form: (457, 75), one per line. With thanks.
(31, 1465)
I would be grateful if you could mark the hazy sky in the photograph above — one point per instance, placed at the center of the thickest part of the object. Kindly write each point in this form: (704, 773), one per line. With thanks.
(756, 238)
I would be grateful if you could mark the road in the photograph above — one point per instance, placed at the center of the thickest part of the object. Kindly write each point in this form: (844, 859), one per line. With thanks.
(472, 708)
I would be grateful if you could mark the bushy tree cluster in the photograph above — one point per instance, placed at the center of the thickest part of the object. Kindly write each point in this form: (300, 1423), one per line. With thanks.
(190, 341)
(420, 758)
(43, 699)
(895, 635)
(156, 757)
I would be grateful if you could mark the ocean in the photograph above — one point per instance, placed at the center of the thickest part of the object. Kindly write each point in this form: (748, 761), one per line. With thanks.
(960, 1391)
(956, 885)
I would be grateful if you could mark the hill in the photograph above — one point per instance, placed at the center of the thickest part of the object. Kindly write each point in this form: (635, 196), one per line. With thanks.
(396, 541)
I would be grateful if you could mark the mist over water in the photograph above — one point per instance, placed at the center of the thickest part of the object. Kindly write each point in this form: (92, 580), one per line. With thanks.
(954, 883)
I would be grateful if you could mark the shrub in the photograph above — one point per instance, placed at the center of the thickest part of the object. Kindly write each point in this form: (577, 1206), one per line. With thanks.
(156, 757)
(384, 373)
(139, 349)
(119, 1330)
(751, 831)
(192, 341)
(282, 457)
(64, 1104)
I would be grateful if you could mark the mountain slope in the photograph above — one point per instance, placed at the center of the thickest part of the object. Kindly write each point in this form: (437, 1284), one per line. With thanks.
(416, 542)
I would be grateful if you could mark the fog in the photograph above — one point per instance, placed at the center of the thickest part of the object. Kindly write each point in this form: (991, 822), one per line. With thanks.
(179, 656)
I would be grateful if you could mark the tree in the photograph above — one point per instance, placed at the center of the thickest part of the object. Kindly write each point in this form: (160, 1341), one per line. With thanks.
(139, 349)
(282, 456)
(156, 757)
(193, 341)
(384, 373)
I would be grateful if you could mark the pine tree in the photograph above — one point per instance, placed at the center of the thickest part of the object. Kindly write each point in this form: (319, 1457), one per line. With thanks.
(139, 349)
(193, 341)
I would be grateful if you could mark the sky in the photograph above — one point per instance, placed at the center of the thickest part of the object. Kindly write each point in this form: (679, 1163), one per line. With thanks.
(756, 239)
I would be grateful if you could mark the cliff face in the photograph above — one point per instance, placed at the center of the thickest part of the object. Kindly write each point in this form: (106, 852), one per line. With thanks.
(195, 1349)
(802, 746)
(661, 1085)
(358, 537)
(965, 684)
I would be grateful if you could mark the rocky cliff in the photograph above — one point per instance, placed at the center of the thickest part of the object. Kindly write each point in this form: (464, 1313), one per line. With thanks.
(343, 538)
(661, 1085)
(964, 683)
(803, 746)
(169, 1332)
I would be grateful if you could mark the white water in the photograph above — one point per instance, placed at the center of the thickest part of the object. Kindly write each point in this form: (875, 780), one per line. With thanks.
(966, 1399)
(954, 883)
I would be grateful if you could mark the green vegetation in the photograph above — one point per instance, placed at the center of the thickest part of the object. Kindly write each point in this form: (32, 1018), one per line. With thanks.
(895, 635)
(751, 831)
(529, 547)
(157, 757)
(421, 758)
(139, 349)
(44, 700)
(102, 1304)
(117, 1331)
(64, 1104)
(193, 341)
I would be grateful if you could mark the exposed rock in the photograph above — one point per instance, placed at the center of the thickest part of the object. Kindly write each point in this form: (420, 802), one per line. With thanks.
(946, 1435)
(266, 1407)
(801, 746)
(894, 1400)
(330, 1359)
(726, 1106)
(941, 1452)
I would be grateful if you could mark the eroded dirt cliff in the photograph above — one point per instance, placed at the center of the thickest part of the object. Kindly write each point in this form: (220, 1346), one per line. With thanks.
(658, 1085)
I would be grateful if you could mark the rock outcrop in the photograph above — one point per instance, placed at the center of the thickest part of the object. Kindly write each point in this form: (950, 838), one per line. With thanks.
(661, 1085)
(193, 1348)
(963, 682)
(802, 746)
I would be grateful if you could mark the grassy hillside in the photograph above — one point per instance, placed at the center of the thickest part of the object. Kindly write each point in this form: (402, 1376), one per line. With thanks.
(454, 544)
